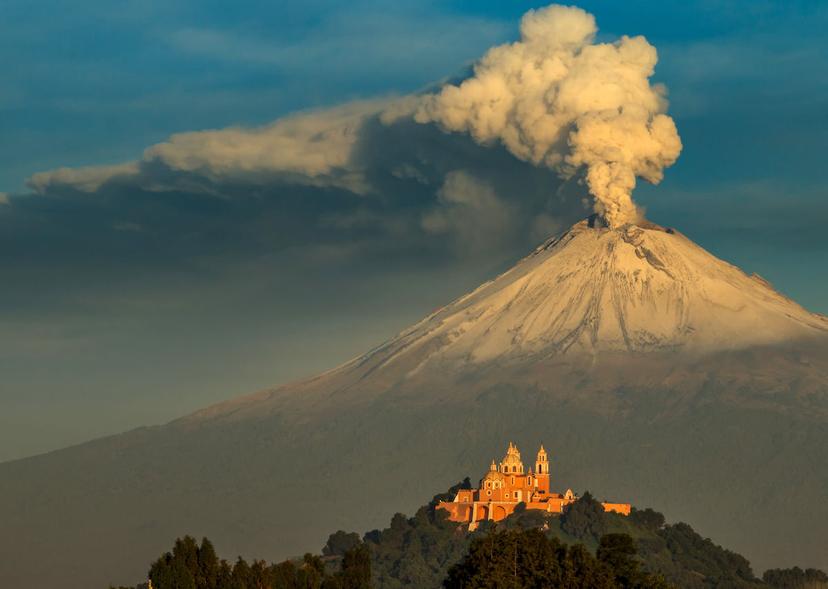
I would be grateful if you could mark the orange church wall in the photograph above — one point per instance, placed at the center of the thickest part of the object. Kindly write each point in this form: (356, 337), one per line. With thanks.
(622, 508)
(545, 506)
(460, 511)
(500, 512)
(556, 504)
(463, 512)
(457, 511)
(465, 496)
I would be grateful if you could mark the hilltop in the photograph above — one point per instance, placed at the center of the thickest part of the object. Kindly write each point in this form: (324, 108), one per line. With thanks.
(423, 551)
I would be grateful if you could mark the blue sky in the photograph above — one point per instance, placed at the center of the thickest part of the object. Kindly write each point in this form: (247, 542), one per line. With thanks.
(128, 307)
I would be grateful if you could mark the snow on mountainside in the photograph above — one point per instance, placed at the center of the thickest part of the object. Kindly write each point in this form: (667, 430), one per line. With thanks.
(591, 289)
(633, 306)
(654, 371)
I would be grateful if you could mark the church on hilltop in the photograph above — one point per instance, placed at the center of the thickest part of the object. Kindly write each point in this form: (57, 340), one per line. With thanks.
(507, 485)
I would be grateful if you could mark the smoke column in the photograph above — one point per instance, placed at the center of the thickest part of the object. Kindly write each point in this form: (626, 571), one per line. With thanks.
(556, 98)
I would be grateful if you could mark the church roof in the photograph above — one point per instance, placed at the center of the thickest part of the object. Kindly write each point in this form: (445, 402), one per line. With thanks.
(494, 475)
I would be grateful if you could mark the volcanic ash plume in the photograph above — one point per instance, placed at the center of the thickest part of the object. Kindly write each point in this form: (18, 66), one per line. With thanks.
(558, 99)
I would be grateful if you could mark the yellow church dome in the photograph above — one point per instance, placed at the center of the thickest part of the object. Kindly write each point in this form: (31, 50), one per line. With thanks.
(494, 475)
(511, 462)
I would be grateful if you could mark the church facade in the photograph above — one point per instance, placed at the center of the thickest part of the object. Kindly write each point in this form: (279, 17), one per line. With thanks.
(507, 485)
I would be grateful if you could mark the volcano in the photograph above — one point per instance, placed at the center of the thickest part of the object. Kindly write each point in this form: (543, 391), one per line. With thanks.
(649, 368)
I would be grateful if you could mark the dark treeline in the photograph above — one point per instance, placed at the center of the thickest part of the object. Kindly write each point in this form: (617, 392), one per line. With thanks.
(529, 558)
(194, 566)
(584, 547)
(506, 558)
(796, 578)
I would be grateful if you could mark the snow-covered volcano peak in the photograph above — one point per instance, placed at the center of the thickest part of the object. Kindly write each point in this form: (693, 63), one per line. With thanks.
(635, 288)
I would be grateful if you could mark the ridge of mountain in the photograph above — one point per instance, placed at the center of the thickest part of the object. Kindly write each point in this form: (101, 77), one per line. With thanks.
(717, 413)
(635, 288)
(591, 297)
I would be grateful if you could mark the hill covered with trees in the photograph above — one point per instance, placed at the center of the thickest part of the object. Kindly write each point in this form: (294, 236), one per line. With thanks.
(585, 547)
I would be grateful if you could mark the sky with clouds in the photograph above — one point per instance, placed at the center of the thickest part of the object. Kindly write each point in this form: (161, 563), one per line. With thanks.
(199, 199)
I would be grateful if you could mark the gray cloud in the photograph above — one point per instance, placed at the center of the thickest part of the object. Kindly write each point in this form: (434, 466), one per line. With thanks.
(471, 212)
(362, 173)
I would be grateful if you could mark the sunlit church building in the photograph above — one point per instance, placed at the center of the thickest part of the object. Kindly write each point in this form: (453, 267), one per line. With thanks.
(506, 486)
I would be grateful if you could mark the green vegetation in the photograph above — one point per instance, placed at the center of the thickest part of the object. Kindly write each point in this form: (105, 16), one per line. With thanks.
(190, 566)
(419, 551)
(796, 578)
(584, 547)
(529, 558)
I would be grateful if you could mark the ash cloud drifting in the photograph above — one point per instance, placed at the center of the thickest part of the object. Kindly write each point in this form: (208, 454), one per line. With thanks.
(558, 99)
(554, 99)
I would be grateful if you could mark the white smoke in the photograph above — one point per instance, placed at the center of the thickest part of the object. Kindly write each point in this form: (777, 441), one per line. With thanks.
(558, 99)
(311, 148)
(85, 179)
(554, 98)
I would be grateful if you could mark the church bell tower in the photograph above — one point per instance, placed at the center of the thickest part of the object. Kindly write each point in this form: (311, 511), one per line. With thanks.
(542, 470)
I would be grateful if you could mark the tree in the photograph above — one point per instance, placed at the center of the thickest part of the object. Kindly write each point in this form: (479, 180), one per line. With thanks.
(208, 566)
(284, 575)
(356, 568)
(796, 578)
(525, 518)
(527, 558)
(340, 542)
(175, 570)
(224, 575)
(188, 566)
(311, 573)
(618, 552)
(584, 519)
(648, 518)
(581, 569)
(694, 556)
(260, 576)
(242, 575)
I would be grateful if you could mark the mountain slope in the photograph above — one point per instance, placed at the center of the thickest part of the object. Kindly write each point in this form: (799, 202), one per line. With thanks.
(593, 289)
(652, 371)
(609, 308)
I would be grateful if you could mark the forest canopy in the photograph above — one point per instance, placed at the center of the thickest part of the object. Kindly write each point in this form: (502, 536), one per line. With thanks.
(583, 547)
